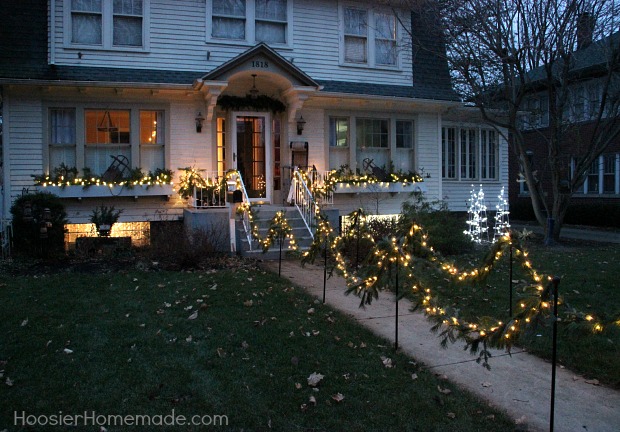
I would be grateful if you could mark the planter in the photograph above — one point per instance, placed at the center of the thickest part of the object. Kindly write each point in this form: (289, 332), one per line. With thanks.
(80, 192)
(388, 187)
(105, 246)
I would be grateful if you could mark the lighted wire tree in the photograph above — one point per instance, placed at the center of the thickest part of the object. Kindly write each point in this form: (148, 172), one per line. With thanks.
(478, 230)
(502, 221)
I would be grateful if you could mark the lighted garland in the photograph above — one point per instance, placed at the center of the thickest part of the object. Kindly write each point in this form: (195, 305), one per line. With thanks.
(534, 307)
(279, 229)
(159, 178)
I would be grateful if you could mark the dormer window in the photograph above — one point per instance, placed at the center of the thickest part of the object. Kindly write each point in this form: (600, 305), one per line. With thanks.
(252, 21)
(106, 24)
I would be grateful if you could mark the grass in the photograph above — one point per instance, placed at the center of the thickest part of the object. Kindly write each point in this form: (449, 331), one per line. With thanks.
(589, 276)
(247, 355)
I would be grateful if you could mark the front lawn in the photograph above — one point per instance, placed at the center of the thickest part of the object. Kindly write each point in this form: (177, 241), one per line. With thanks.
(235, 342)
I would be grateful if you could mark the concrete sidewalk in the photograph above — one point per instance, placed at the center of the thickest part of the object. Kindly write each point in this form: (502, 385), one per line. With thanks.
(518, 385)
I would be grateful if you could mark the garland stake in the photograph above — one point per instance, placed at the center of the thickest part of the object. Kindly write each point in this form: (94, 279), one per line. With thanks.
(555, 282)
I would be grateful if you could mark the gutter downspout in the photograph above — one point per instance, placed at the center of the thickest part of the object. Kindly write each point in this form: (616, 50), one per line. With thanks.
(52, 36)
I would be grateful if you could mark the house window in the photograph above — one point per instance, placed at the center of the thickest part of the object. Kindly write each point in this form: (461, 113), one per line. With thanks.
(221, 146)
(385, 39)
(250, 20)
(403, 157)
(62, 137)
(127, 23)
(404, 134)
(374, 48)
(107, 136)
(523, 187)
(276, 136)
(92, 139)
(609, 173)
(537, 115)
(475, 149)
(107, 23)
(152, 140)
(86, 22)
(228, 19)
(372, 141)
(448, 153)
(338, 142)
(355, 35)
(488, 154)
(468, 154)
(271, 21)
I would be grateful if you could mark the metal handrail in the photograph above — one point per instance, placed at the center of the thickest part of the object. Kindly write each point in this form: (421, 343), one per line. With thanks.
(304, 201)
(210, 197)
(247, 222)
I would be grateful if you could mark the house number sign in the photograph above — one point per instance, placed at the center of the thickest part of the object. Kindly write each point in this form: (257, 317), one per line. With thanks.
(260, 64)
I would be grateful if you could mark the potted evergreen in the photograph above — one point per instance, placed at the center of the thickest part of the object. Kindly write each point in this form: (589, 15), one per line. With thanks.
(104, 217)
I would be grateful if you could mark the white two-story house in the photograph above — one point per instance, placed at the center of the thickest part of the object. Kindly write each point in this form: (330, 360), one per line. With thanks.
(257, 86)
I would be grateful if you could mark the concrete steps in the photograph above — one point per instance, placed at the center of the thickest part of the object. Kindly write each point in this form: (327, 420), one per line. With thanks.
(262, 218)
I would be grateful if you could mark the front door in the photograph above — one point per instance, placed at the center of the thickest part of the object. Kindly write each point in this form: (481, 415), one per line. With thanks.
(251, 153)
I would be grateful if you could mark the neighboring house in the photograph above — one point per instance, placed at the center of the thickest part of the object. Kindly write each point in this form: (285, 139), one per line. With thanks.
(219, 85)
(597, 201)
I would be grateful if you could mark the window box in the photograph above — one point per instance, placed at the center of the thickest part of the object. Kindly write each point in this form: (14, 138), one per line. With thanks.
(388, 187)
(109, 191)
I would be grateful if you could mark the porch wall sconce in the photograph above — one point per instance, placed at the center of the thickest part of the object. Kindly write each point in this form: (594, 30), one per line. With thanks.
(300, 124)
(199, 121)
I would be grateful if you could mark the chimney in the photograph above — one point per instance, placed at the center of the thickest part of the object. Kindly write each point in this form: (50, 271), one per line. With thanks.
(585, 29)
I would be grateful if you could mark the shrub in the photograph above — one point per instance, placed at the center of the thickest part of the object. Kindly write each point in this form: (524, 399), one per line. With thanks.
(174, 247)
(30, 226)
(444, 228)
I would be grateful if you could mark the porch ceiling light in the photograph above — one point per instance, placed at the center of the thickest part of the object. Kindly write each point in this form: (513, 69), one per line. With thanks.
(253, 91)
(199, 120)
(300, 124)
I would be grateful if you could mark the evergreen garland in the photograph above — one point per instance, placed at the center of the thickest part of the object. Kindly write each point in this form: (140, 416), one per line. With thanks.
(260, 103)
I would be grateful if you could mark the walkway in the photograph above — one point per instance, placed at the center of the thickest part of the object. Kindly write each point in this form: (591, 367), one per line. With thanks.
(518, 384)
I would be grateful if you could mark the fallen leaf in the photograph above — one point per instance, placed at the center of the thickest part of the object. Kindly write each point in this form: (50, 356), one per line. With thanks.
(486, 384)
(245, 345)
(9, 382)
(445, 391)
(213, 288)
(303, 407)
(414, 376)
(312, 400)
(311, 311)
(490, 417)
(248, 303)
(338, 397)
(193, 316)
(67, 351)
(298, 386)
(387, 362)
(24, 322)
(593, 382)
(451, 415)
(314, 379)
(221, 353)
(189, 338)
(161, 285)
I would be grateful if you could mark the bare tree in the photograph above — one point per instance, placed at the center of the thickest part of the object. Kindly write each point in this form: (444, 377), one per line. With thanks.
(503, 53)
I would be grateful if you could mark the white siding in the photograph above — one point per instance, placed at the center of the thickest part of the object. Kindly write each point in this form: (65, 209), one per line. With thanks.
(177, 41)
(428, 153)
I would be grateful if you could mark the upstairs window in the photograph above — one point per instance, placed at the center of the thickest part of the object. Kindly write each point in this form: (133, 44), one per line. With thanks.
(250, 20)
(385, 39)
(106, 23)
(355, 35)
(369, 37)
(86, 22)
(271, 21)
(127, 21)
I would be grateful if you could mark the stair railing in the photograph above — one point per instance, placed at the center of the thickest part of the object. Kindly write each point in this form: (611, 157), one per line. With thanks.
(304, 201)
(235, 176)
